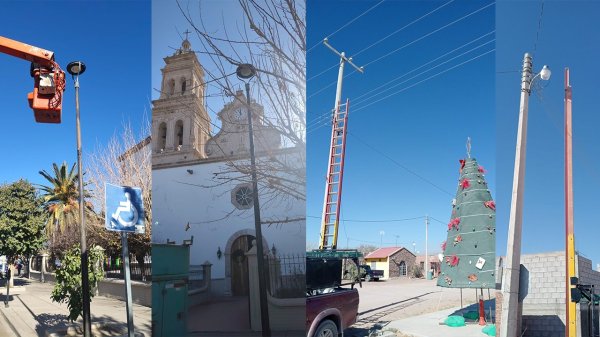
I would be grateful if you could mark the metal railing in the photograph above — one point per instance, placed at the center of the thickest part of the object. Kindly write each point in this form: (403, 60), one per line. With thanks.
(286, 275)
(113, 268)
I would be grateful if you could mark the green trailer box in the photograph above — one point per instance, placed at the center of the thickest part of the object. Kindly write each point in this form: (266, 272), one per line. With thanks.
(170, 275)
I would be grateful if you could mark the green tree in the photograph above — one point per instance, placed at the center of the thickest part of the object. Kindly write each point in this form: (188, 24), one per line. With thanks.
(21, 219)
(68, 288)
(60, 199)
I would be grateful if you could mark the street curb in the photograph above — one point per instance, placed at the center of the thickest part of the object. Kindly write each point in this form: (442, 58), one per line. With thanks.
(10, 325)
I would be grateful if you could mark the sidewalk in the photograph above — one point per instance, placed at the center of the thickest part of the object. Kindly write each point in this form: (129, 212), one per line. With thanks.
(428, 325)
(31, 312)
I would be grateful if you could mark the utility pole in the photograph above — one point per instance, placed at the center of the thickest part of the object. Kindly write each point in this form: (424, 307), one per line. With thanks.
(335, 165)
(510, 282)
(571, 307)
(427, 264)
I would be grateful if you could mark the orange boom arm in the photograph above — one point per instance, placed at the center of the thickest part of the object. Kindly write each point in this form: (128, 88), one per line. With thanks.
(48, 79)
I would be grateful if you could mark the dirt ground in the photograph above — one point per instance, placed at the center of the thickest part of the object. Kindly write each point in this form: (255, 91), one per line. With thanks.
(385, 301)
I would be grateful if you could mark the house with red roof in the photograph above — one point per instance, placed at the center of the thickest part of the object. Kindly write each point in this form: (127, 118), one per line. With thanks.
(394, 261)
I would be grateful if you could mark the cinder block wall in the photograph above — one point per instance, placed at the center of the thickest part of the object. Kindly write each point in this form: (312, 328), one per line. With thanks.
(543, 290)
(586, 274)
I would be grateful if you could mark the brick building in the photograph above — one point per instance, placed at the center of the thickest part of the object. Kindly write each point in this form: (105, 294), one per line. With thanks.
(394, 261)
(434, 264)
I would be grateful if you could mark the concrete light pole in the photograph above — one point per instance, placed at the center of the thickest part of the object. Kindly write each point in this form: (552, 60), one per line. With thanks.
(77, 68)
(510, 321)
(427, 264)
(246, 72)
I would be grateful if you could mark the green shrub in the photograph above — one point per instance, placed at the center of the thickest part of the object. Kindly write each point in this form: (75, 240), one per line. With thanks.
(68, 288)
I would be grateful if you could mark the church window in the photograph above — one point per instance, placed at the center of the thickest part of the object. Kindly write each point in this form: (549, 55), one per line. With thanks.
(162, 137)
(179, 133)
(183, 84)
(171, 87)
(242, 196)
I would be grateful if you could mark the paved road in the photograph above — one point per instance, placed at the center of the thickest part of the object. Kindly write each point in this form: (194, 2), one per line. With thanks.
(386, 301)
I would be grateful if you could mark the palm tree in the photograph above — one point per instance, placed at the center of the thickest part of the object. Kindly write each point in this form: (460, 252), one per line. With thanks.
(60, 198)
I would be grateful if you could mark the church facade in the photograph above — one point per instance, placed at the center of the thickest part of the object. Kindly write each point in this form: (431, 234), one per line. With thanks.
(201, 186)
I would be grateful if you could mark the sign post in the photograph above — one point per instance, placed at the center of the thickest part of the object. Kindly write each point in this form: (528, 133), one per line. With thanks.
(125, 214)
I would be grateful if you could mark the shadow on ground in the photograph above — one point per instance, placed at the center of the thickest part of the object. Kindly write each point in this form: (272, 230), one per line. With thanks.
(488, 304)
(18, 282)
(101, 326)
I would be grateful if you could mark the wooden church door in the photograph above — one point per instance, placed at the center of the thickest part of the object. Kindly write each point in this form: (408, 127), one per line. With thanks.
(239, 265)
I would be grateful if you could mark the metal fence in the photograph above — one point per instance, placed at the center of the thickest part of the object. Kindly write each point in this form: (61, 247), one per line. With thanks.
(196, 277)
(113, 268)
(286, 275)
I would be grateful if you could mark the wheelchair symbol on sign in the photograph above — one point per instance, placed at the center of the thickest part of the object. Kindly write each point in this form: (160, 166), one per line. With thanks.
(127, 207)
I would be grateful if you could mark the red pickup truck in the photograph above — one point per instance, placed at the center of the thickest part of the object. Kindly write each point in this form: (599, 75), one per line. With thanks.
(330, 313)
(330, 307)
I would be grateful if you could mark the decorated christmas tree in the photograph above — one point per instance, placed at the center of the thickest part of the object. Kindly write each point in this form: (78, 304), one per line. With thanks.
(468, 259)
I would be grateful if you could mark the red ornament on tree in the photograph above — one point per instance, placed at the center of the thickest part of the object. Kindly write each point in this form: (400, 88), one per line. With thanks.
(465, 184)
(490, 204)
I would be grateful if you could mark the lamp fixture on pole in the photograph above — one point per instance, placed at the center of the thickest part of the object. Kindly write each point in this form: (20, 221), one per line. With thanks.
(77, 68)
(246, 72)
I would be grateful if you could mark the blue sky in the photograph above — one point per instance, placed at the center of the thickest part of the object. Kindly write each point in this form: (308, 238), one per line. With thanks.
(423, 128)
(567, 38)
(113, 39)
(168, 27)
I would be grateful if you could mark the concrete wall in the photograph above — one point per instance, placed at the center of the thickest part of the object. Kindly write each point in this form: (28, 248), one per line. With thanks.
(287, 314)
(543, 292)
(141, 292)
(179, 197)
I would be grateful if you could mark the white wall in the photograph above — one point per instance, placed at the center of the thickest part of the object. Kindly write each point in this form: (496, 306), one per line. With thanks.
(179, 197)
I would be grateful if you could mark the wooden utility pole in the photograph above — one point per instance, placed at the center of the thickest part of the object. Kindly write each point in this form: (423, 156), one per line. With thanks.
(571, 307)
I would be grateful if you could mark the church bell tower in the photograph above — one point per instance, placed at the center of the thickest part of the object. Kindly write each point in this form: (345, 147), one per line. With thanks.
(180, 123)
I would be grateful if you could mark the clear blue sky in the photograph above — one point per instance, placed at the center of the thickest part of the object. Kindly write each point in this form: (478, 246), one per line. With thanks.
(168, 27)
(424, 127)
(113, 39)
(567, 38)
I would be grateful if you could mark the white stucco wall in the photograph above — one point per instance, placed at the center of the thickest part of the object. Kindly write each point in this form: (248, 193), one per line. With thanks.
(179, 197)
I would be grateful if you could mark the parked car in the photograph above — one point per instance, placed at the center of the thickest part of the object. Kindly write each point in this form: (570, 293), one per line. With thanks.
(368, 274)
(331, 306)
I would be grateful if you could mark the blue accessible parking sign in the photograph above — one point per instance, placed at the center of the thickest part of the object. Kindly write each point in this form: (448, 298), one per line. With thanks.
(124, 209)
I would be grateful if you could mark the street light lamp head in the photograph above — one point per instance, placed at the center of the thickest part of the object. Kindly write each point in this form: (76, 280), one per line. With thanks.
(245, 71)
(545, 73)
(76, 68)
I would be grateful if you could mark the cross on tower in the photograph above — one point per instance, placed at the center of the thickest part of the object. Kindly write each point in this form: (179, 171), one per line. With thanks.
(187, 32)
(468, 147)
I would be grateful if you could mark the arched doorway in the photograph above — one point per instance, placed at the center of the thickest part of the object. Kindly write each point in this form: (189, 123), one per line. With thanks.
(239, 265)
(402, 268)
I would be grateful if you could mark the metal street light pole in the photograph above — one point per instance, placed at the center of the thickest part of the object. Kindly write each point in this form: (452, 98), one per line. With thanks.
(246, 72)
(75, 69)
(510, 322)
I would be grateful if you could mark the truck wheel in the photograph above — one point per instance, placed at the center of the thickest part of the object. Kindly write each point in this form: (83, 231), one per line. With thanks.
(326, 329)
(368, 278)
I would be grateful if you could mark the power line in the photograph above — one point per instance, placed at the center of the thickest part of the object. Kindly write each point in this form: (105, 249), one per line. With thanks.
(398, 49)
(421, 73)
(389, 220)
(348, 23)
(430, 33)
(400, 165)
(426, 79)
(412, 85)
(326, 115)
(405, 26)
(537, 34)
(386, 37)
